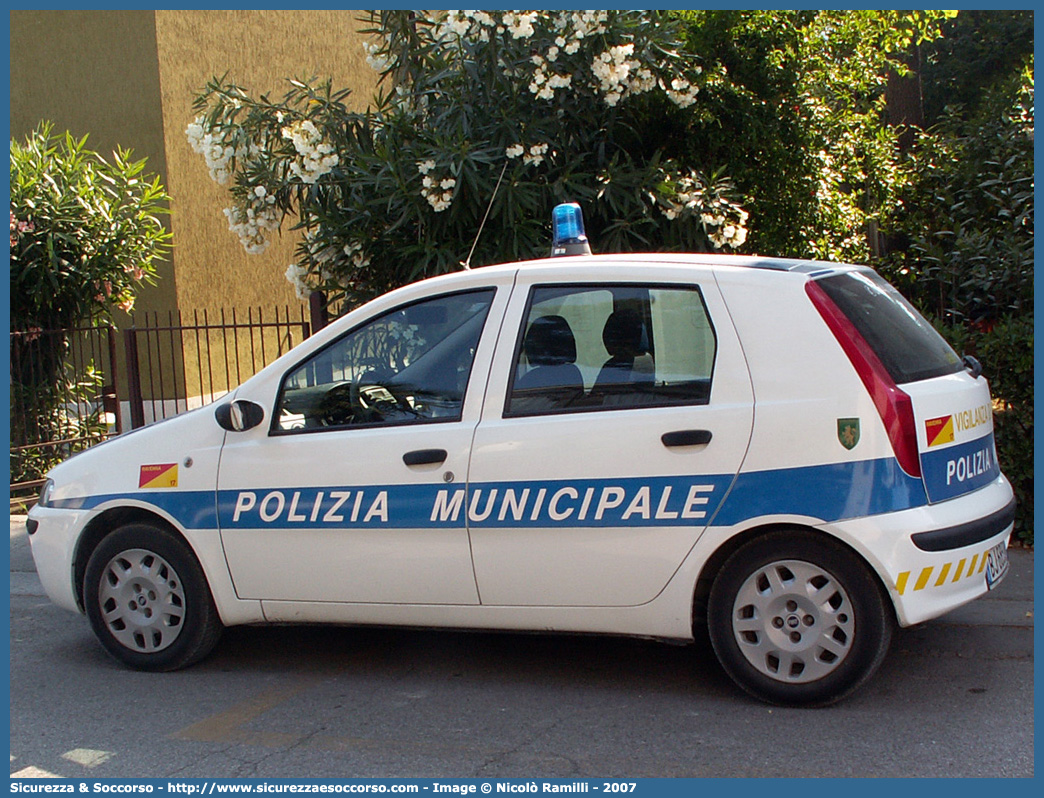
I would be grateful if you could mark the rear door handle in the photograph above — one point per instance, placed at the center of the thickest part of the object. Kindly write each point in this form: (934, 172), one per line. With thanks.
(686, 437)
(424, 457)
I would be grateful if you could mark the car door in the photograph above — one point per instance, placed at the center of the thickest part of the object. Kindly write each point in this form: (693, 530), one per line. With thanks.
(618, 413)
(330, 500)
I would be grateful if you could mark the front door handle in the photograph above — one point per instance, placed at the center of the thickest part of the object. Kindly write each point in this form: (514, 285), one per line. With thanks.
(424, 457)
(686, 437)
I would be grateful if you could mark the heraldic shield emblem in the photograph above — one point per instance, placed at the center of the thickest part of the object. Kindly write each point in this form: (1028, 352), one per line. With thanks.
(848, 432)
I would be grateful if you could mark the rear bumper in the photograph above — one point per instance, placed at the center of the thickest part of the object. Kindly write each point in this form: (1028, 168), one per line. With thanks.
(932, 559)
(967, 534)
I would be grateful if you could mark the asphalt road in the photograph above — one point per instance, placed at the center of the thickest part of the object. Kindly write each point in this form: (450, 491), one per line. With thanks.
(953, 699)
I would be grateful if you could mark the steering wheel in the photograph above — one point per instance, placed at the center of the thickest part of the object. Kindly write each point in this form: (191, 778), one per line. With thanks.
(338, 406)
(364, 401)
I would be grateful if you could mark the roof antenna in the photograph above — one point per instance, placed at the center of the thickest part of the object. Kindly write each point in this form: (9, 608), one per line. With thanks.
(467, 263)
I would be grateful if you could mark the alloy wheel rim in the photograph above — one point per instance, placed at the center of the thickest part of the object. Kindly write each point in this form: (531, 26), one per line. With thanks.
(793, 621)
(142, 601)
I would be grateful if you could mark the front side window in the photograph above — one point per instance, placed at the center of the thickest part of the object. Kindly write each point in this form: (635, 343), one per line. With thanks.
(407, 366)
(610, 347)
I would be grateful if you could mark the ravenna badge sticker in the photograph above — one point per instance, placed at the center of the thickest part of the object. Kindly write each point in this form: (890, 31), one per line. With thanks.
(848, 432)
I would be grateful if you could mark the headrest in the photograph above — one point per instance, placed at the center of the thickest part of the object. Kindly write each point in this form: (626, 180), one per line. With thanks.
(622, 334)
(549, 342)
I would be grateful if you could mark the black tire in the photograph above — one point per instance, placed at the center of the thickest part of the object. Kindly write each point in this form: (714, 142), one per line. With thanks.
(148, 601)
(798, 619)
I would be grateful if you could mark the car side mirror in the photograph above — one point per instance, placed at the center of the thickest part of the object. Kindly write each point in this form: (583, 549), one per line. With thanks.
(239, 415)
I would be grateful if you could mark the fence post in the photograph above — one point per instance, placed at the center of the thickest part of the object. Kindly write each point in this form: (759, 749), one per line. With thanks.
(137, 403)
(111, 398)
(317, 306)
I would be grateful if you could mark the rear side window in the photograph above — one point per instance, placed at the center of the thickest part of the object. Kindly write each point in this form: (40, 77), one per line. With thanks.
(908, 346)
(612, 346)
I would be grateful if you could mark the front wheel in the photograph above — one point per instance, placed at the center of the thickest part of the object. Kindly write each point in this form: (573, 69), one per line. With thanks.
(148, 601)
(798, 619)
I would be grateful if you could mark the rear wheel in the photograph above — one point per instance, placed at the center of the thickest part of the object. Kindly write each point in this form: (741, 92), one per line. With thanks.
(148, 601)
(798, 619)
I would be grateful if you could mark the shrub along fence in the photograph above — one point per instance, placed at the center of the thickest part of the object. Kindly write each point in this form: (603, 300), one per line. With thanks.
(76, 387)
(62, 394)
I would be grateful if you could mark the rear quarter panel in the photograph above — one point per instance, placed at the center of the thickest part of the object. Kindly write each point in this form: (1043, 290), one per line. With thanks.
(806, 396)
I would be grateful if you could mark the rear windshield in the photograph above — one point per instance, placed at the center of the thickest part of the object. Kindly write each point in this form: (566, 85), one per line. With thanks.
(908, 346)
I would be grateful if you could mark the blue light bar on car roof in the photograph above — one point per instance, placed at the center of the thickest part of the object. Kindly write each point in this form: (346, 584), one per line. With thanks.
(567, 224)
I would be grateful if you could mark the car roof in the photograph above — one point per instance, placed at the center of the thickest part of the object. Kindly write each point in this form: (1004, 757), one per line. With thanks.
(808, 268)
(797, 265)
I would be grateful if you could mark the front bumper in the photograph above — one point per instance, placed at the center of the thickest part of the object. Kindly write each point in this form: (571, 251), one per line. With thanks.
(53, 543)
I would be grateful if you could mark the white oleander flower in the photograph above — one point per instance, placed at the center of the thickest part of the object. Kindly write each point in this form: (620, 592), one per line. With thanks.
(295, 275)
(377, 61)
(536, 154)
(460, 25)
(216, 148)
(316, 157)
(520, 25)
(682, 93)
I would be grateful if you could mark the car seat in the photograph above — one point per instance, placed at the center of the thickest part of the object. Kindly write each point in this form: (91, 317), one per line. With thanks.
(550, 349)
(624, 339)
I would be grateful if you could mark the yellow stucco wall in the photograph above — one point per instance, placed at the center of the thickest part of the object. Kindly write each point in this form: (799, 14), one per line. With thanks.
(129, 78)
(259, 50)
(93, 73)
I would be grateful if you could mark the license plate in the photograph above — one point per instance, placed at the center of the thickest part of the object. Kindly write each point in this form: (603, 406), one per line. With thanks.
(996, 564)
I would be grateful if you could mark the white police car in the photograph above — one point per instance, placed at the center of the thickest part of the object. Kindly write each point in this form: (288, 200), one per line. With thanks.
(783, 451)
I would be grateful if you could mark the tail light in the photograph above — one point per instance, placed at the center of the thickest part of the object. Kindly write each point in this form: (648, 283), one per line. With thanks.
(893, 405)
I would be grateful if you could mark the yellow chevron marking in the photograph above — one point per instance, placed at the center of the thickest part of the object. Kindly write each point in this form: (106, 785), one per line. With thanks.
(922, 580)
(942, 576)
(925, 576)
(900, 582)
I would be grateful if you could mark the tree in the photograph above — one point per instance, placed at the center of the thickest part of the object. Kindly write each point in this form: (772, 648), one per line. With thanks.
(800, 122)
(500, 112)
(639, 116)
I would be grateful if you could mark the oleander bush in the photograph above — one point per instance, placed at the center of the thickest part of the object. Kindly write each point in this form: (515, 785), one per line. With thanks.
(505, 113)
(85, 236)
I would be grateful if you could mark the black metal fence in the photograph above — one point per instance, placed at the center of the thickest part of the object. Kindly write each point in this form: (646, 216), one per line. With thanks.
(63, 398)
(181, 363)
(73, 388)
